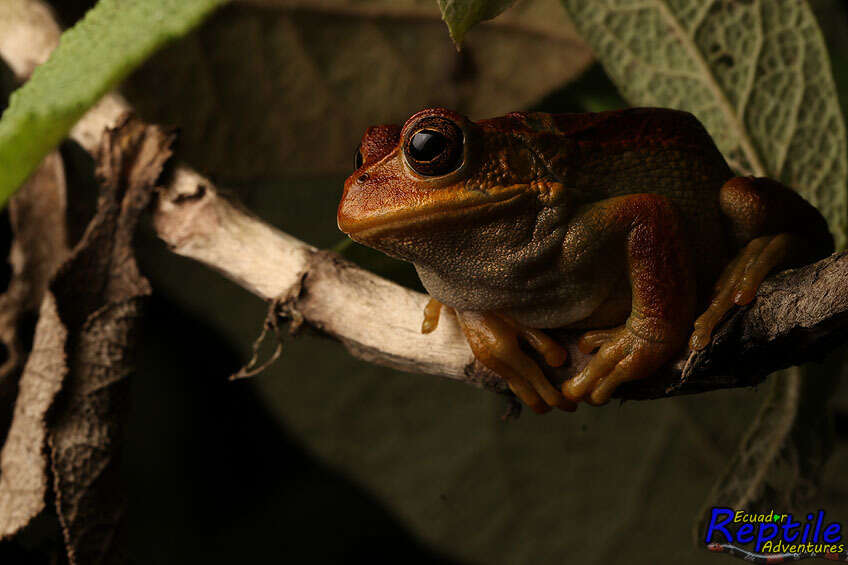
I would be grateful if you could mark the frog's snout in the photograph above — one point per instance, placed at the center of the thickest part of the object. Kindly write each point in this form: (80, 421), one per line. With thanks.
(353, 204)
(360, 194)
(370, 193)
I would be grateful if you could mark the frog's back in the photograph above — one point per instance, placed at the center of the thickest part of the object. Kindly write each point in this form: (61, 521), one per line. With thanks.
(637, 150)
(636, 128)
(625, 151)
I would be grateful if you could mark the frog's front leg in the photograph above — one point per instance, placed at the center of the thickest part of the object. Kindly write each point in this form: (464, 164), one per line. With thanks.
(493, 338)
(663, 296)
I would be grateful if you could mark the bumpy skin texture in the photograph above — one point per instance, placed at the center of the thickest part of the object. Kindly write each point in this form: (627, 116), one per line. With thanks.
(615, 221)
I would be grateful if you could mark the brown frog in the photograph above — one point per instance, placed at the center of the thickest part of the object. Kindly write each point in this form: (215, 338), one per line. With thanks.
(626, 224)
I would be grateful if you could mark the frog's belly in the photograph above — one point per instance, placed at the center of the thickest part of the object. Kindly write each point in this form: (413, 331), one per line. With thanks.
(558, 274)
(597, 295)
(594, 312)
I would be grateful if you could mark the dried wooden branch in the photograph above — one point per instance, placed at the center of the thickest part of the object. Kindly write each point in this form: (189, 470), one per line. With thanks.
(796, 317)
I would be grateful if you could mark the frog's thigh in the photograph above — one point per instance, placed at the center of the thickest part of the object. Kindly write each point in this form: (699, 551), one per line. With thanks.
(775, 228)
(663, 297)
(494, 342)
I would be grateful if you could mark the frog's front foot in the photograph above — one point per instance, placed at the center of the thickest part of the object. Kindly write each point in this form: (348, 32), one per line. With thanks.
(493, 338)
(627, 353)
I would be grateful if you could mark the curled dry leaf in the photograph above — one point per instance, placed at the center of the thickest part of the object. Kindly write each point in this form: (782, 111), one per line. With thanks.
(99, 293)
(86, 338)
(37, 217)
(23, 461)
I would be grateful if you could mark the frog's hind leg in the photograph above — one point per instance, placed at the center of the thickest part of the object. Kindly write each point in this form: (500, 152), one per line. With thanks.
(774, 227)
(494, 340)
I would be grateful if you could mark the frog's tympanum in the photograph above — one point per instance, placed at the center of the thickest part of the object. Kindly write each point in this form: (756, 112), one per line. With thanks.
(627, 224)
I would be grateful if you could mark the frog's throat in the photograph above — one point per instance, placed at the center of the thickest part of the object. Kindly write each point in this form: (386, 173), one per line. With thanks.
(404, 221)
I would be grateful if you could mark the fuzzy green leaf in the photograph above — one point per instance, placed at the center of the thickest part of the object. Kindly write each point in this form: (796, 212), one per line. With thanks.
(462, 15)
(91, 59)
(756, 73)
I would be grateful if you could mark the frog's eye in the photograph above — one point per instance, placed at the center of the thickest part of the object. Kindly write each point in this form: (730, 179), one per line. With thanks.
(357, 158)
(434, 147)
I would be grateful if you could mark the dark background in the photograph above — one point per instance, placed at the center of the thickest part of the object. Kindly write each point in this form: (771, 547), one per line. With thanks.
(326, 459)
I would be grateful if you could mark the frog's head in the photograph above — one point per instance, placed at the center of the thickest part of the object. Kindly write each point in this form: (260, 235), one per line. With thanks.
(438, 171)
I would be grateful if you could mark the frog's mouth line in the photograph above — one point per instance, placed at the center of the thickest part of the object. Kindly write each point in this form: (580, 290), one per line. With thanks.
(411, 220)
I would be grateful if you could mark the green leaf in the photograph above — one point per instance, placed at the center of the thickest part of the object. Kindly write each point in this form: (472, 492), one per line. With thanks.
(462, 15)
(755, 73)
(91, 59)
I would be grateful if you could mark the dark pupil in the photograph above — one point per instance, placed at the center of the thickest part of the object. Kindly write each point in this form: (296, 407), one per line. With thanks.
(357, 159)
(426, 145)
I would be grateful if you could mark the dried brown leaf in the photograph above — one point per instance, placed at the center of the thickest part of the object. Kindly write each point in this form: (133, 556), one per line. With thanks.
(23, 461)
(85, 337)
(37, 216)
(99, 293)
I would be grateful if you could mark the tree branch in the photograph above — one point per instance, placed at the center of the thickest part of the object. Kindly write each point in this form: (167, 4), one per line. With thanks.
(797, 315)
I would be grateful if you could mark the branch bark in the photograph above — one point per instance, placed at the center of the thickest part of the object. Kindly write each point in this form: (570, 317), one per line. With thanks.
(797, 316)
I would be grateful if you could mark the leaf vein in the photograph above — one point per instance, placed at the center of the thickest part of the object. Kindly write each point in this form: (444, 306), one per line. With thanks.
(733, 119)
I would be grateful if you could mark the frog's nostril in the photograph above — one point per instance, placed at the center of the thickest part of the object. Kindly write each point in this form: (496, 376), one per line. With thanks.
(362, 178)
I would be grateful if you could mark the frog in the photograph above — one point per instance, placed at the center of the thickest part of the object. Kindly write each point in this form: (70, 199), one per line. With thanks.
(626, 226)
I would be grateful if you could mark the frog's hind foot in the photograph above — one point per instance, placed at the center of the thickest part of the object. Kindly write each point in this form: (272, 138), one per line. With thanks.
(554, 353)
(740, 280)
(775, 228)
(494, 340)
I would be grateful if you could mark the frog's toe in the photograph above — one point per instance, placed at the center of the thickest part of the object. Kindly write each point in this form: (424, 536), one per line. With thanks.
(632, 368)
(579, 387)
(494, 342)
(555, 355)
(623, 356)
(775, 250)
(740, 280)
(524, 378)
(518, 369)
(590, 341)
(432, 313)
(518, 385)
